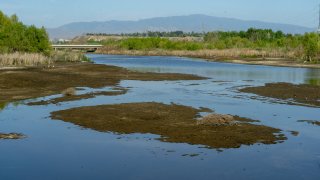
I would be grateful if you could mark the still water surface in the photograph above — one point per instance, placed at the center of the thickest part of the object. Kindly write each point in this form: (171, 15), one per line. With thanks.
(59, 150)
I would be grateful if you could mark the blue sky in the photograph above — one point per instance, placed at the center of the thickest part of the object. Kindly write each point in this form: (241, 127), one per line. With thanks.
(53, 13)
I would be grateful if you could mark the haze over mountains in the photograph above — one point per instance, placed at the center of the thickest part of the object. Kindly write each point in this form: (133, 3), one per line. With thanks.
(196, 23)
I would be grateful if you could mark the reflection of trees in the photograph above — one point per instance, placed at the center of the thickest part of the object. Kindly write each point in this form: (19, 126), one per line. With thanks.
(3, 105)
(313, 77)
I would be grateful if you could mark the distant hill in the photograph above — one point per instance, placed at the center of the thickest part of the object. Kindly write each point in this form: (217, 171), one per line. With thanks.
(196, 23)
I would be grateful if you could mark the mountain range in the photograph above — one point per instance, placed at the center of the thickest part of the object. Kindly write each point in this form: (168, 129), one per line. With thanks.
(195, 23)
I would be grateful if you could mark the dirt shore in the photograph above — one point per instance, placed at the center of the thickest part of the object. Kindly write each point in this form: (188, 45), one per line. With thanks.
(175, 123)
(267, 61)
(20, 84)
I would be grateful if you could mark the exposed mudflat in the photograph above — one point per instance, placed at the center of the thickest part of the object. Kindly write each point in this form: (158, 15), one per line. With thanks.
(302, 93)
(175, 123)
(20, 84)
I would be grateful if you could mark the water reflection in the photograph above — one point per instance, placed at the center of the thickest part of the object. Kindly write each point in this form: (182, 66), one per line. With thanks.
(3, 105)
(314, 77)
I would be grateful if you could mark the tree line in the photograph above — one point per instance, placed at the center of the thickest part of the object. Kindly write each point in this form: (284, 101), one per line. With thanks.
(307, 43)
(301, 46)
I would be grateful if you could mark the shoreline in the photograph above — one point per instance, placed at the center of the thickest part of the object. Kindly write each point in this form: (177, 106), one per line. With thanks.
(275, 62)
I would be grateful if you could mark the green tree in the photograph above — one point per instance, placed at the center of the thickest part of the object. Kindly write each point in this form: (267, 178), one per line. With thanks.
(15, 36)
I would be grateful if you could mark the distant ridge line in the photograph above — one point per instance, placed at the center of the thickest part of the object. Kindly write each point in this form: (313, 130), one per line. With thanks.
(190, 23)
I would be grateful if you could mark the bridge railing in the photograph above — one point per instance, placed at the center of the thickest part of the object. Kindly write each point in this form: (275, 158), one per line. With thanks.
(76, 47)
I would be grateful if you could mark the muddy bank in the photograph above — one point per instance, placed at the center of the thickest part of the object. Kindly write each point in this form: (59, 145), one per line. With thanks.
(175, 123)
(11, 136)
(303, 93)
(29, 83)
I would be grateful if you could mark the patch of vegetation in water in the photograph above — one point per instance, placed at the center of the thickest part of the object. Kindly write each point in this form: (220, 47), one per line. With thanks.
(11, 136)
(316, 123)
(174, 123)
(75, 97)
(301, 94)
(190, 155)
(294, 133)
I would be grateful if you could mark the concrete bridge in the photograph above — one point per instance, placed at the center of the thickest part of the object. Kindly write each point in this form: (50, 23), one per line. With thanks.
(88, 48)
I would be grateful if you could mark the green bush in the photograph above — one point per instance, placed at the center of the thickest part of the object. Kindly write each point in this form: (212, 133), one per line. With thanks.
(158, 43)
(15, 36)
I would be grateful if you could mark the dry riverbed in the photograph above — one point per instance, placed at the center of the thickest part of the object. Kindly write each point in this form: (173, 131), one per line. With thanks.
(174, 123)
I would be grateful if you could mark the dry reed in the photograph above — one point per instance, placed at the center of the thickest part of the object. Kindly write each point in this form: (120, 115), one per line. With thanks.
(23, 59)
(19, 59)
(69, 92)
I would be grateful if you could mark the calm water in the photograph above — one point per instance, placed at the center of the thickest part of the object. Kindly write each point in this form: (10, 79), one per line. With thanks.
(59, 150)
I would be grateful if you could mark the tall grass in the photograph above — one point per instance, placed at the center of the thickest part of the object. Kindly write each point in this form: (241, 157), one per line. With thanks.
(36, 59)
(210, 53)
(68, 56)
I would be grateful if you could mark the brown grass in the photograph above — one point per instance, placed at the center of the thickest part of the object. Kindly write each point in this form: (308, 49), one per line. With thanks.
(69, 92)
(18, 59)
(216, 120)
